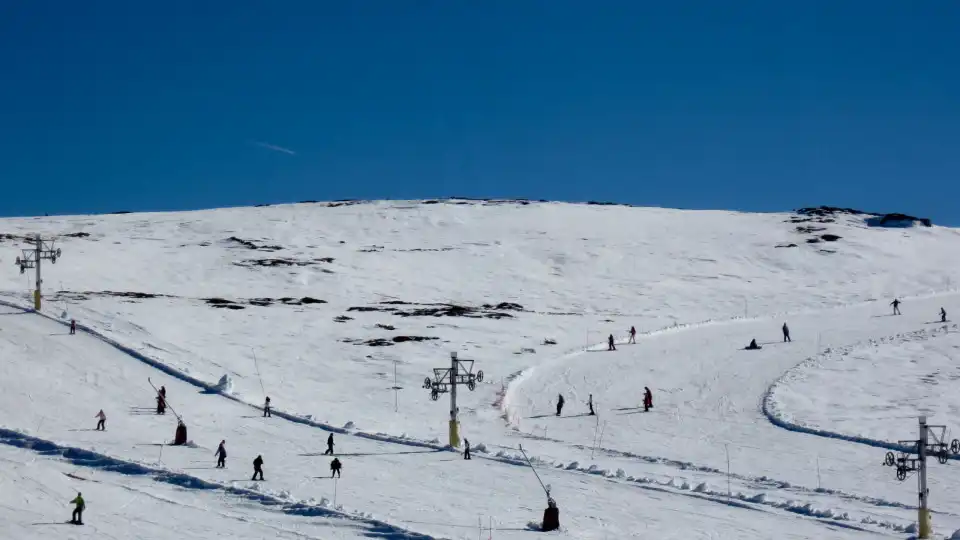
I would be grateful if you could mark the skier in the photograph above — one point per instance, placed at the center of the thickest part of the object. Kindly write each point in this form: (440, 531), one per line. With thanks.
(466, 448)
(257, 468)
(73, 326)
(266, 408)
(610, 345)
(102, 423)
(335, 468)
(329, 451)
(180, 435)
(77, 518)
(943, 315)
(559, 403)
(221, 455)
(786, 333)
(896, 306)
(590, 404)
(633, 335)
(753, 345)
(647, 399)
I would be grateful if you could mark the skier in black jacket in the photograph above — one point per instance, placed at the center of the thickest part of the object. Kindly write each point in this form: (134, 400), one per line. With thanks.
(257, 468)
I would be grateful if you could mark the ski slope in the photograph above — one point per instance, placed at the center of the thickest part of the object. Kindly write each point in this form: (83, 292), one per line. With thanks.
(697, 285)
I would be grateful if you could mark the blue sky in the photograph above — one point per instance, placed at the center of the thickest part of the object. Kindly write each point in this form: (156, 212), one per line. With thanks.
(750, 105)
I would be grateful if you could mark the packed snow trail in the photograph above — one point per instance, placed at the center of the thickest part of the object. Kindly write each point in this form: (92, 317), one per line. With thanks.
(59, 376)
(707, 396)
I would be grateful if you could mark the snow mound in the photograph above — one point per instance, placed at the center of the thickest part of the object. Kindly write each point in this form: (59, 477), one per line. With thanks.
(224, 385)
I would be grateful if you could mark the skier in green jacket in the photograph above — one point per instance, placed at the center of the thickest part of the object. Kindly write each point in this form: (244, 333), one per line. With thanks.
(77, 518)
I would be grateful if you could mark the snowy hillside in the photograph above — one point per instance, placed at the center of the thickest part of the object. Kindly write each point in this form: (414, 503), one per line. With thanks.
(339, 311)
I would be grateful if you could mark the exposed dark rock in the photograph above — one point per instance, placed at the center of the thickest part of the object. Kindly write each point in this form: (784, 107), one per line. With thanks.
(379, 342)
(251, 244)
(423, 249)
(813, 240)
(249, 263)
(809, 229)
(401, 339)
(829, 237)
(898, 221)
(440, 310)
(368, 308)
(504, 306)
(76, 235)
(786, 245)
(549, 341)
(386, 327)
(342, 318)
(827, 211)
(309, 300)
(121, 212)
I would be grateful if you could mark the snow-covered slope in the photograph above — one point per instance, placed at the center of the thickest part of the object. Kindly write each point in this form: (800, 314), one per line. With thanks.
(328, 308)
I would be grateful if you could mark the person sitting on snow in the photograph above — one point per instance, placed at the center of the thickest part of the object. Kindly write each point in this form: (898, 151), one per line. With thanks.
(753, 345)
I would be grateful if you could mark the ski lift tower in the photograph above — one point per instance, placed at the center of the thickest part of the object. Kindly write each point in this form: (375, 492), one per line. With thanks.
(446, 380)
(31, 259)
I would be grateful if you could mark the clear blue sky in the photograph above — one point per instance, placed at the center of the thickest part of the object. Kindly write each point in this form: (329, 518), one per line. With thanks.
(753, 105)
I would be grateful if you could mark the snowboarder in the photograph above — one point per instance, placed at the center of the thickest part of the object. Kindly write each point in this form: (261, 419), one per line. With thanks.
(559, 403)
(335, 468)
(77, 518)
(896, 306)
(102, 423)
(753, 345)
(610, 345)
(221, 455)
(590, 404)
(466, 448)
(633, 335)
(943, 315)
(266, 408)
(73, 326)
(786, 333)
(329, 451)
(647, 399)
(257, 468)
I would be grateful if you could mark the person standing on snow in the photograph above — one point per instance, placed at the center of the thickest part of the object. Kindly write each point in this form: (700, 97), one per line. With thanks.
(896, 306)
(266, 408)
(221, 455)
(786, 333)
(335, 467)
(258, 468)
(102, 423)
(610, 345)
(329, 451)
(466, 448)
(633, 335)
(77, 518)
(647, 399)
(559, 403)
(73, 326)
(943, 315)
(161, 404)
(590, 404)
